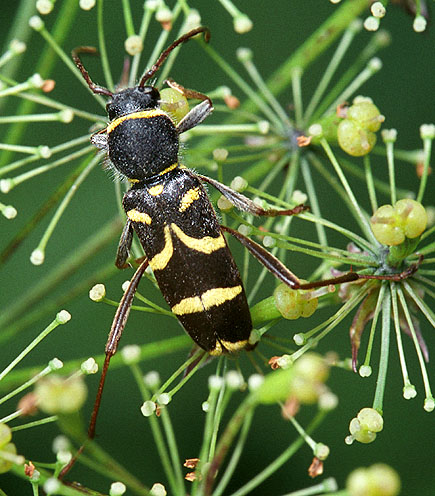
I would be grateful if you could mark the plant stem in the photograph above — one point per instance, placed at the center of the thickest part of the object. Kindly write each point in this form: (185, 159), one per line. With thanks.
(279, 461)
(384, 354)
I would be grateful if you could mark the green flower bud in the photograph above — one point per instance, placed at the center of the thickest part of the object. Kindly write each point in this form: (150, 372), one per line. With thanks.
(174, 102)
(391, 225)
(371, 419)
(413, 216)
(6, 463)
(355, 133)
(5, 435)
(311, 371)
(293, 304)
(377, 480)
(277, 386)
(354, 140)
(367, 423)
(61, 395)
(366, 114)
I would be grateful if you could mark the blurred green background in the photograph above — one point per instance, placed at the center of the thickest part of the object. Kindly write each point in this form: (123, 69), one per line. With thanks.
(403, 91)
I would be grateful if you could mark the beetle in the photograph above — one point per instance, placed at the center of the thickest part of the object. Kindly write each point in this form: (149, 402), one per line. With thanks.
(168, 208)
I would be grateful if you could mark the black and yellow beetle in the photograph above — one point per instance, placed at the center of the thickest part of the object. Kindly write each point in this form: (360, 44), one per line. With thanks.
(169, 210)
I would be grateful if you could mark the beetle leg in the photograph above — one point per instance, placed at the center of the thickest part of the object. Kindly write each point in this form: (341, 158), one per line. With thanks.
(188, 93)
(246, 205)
(272, 264)
(115, 334)
(99, 140)
(279, 270)
(124, 246)
(198, 113)
(195, 116)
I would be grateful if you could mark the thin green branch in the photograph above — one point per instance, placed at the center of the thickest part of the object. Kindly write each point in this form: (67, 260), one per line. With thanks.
(356, 209)
(337, 57)
(279, 461)
(370, 183)
(373, 326)
(406, 382)
(102, 46)
(384, 354)
(429, 400)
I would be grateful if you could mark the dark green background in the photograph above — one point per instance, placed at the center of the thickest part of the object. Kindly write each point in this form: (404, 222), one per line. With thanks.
(403, 91)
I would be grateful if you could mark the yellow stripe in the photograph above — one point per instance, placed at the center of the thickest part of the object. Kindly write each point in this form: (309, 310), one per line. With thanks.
(156, 190)
(171, 167)
(216, 296)
(160, 261)
(137, 216)
(228, 346)
(188, 305)
(211, 298)
(206, 245)
(189, 197)
(143, 114)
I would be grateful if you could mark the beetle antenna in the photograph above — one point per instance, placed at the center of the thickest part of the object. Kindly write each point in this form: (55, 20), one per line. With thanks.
(98, 90)
(186, 37)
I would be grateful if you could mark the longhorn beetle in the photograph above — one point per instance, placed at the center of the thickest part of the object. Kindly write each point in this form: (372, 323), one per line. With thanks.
(169, 210)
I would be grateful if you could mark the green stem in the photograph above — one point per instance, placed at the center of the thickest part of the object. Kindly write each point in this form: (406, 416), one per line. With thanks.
(267, 94)
(173, 450)
(361, 78)
(146, 18)
(68, 265)
(402, 359)
(103, 48)
(30, 347)
(110, 468)
(63, 490)
(64, 203)
(426, 310)
(391, 172)
(128, 18)
(15, 181)
(190, 374)
(377, 41)
(157, 432)
(36, 423)
(313, 202)
(316, 44)
(336, 58)
(240, 82)
(384, 354)
(18, 30)
(323, 251)
(427, 146)
(356, 209)
(55, 149)
(235, 457)
(370, 183)
(157, 349)
(51, 103)
(226, 440)
(297, 95)
(64, 23)
(373, 326)
(429, 400)
(279, 461)
(214, 394)
(27, 384)
(328, 325)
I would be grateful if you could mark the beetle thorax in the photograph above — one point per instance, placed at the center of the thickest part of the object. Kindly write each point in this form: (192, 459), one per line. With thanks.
(142, 139)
